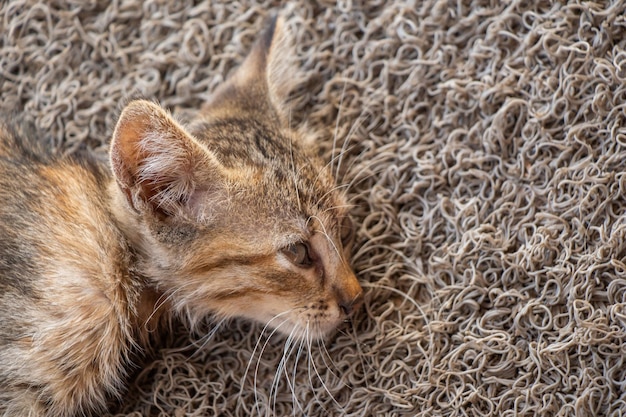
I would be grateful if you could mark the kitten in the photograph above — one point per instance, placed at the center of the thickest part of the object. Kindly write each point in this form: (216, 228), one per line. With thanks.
(233, 215)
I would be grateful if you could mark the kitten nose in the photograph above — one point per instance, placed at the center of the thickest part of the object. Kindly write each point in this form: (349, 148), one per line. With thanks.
(349, 306)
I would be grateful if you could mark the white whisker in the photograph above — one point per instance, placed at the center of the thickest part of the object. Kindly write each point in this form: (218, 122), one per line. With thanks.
(256, 346)
(348, 137)
(330, 240)
(295, 176)
(324, 352)
(207, 338)
(319, 377)
(281, 367)
(310, 359)
(361, 353)
(404, 295)
(332, 190)
(258, 364)
(343, 92)
(295, 367)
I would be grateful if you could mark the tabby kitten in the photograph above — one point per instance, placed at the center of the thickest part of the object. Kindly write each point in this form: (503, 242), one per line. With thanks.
(233, 215)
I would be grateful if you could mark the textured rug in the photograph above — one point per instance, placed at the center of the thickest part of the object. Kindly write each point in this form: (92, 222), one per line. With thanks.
(484, 143)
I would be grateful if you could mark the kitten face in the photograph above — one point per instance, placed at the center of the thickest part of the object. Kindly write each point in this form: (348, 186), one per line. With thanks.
(234, 215)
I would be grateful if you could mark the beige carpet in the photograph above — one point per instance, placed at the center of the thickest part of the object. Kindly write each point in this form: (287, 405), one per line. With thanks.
(486, 152)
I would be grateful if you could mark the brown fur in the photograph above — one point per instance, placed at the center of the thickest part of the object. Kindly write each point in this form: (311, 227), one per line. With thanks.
(193, 220)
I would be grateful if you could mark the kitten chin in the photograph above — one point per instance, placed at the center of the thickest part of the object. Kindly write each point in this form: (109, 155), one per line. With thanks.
(233, 215)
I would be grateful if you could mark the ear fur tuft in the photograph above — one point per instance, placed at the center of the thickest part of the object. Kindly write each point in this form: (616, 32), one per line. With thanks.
(156, 162)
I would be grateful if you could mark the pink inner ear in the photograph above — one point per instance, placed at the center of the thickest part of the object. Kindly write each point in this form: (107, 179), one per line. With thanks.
(154, 158)
(152, 154)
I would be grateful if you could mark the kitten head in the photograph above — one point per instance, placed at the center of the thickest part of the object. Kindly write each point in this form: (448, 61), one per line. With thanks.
(235, 215)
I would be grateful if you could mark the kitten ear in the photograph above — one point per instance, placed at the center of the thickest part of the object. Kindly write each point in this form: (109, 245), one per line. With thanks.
(156, 163)
(270, 62)
(262, 83)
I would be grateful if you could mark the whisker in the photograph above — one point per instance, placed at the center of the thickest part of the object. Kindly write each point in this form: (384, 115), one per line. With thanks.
(295, 176)
(281, 367)
(333, 157)
(404, 295)
(295, 367)
(360, 352)
(310, 359)
(207, 338)
(347, 140)
(372, 243)
(358, 179)
(321, 380)
(258, 363)
(332, 190)
(343, 93)
(431, 335)
(324, 352)
(328, 237)
(256, 346)
(324, 169)
(353, 129)
(163, 299)
(344, 150)
(339, 206)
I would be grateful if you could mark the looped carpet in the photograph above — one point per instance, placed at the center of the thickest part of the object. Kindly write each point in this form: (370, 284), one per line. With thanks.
(484, 144)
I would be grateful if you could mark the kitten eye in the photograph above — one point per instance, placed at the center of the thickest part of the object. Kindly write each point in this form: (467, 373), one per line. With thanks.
(298, 254)
(346, 231)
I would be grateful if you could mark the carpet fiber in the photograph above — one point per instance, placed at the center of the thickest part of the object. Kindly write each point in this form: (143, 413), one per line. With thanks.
(485, 147)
